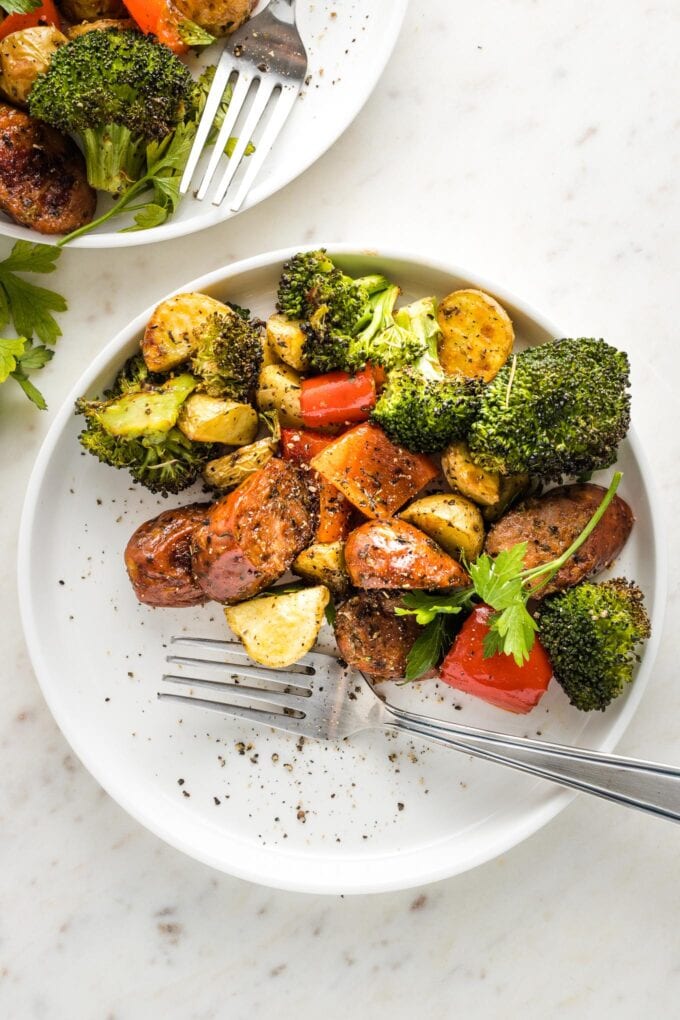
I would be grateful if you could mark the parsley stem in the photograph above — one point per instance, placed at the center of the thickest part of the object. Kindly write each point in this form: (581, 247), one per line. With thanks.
(118, 207)
(551, 568)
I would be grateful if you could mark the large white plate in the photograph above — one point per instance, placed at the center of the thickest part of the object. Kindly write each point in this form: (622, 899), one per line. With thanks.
(349, 44)
(369, 814)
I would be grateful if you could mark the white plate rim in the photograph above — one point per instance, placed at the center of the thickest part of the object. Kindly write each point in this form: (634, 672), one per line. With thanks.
(534, 817)
(258, 193)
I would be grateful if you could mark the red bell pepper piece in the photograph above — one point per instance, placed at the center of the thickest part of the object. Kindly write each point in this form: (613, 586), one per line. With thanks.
(338, 398)
(159, 18)
(498, 679)
(335, 512)
(46, 14)
(375, 474)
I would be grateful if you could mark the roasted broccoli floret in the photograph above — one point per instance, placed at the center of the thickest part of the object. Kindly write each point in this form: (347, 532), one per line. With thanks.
(561, 408)
(134, 428)
(117, 91)
(332, 308)
(229, 356)
(591, 634)
(421, 407)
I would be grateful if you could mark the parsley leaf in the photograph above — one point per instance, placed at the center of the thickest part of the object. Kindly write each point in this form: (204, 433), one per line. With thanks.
(29, 307)
(10, 349)
(426, 607)
(428, 649)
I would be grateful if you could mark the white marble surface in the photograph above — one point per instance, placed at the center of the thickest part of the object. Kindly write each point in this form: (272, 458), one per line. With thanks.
(538, 144)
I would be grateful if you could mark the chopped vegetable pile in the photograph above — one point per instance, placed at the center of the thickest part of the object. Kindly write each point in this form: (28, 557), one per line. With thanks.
(407, 484)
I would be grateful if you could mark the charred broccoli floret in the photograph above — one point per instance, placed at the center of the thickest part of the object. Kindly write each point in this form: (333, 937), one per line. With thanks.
(559, 408)
(420, 407)
(591, 634)
(331, 307)
(229, 356)
(117, 91)
(134, 428)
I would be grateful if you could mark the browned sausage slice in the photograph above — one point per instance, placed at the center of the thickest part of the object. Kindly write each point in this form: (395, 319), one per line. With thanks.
(372, 638)
(394, 554)
(43, 183)
(550, 523)
(158, 558)
(251, 536)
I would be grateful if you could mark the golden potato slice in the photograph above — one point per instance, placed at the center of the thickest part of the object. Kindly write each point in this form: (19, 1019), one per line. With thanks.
(279, 390)
(286, 337)
(490, 489)
(227, 472)
(207, 419)
(277, 630)
(324, 563)
(173, 331)
(476, 334)
(452, 521)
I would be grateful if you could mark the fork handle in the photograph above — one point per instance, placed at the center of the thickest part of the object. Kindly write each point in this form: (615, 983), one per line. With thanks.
(644, 785)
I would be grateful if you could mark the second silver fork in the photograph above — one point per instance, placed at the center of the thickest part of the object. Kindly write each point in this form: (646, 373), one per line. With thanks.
(266, 60)
(321, 698)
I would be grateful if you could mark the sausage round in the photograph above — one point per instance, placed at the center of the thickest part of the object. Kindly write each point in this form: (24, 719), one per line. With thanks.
(550, 523)
(158, 558)
(43, 183)
(394, 554)
(252, 535)
(372, 638)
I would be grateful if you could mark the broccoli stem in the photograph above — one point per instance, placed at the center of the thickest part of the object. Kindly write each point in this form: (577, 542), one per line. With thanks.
(113, 158)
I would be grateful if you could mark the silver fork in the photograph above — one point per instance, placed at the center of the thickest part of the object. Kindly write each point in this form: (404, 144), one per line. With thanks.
(268, 54)
(322, 699)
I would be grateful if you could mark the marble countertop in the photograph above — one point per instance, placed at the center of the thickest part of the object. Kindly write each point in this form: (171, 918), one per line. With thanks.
(537, 144)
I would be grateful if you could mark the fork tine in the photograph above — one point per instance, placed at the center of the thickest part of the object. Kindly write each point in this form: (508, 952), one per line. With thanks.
(226, 65)
(299, 680)
(235, 651)
(243, 83)
(292, 701)
(279, 116)
(274, 719)
(255, 113)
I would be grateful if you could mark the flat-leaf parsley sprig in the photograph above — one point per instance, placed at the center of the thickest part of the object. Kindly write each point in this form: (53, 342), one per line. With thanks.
(500, 582)
(29, 310)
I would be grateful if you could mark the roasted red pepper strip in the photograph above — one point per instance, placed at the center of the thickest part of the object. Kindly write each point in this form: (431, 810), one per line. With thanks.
(46, 14)
(338, 398)
(335, 512)
(498, 679)
(159, 18)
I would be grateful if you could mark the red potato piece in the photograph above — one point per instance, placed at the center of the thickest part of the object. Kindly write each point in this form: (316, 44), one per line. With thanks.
(158, 558)
(372, 638)
(377, 476)
(251, 536)
(550, 523)
(394, 554)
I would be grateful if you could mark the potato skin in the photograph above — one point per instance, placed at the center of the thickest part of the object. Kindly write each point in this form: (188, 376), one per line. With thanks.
(394, 554)
(251, 536)
(43, 183)
(158, 558)
(173, 331)
(476, 334)
(92, 10)
(23, 56)
(453, 521)
(372, 638)
(550, 523)
(219, 17)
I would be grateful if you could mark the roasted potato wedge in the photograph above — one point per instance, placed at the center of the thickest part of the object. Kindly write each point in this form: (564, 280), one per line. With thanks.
(225, 473)
(173, 331)
(92, 10)
(102, 25)
(452, 521)
(324, 563)
(207, 419)
(277, 630)
(23, 56)
(286, 337)
(491, 490)
(279, 390)
(476, 334)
